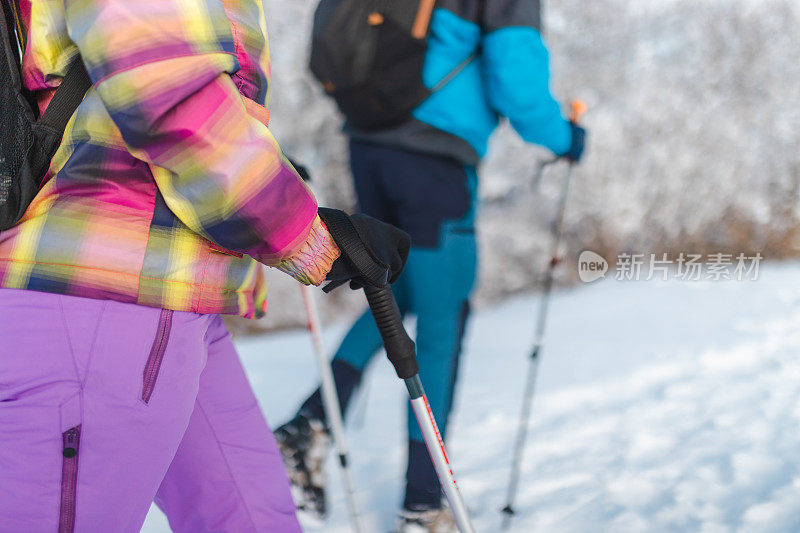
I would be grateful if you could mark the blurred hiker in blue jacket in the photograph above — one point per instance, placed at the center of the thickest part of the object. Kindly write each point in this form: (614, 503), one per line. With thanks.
(421, 176)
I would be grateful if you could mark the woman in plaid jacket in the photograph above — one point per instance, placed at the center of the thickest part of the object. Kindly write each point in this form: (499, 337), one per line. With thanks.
(119, 384)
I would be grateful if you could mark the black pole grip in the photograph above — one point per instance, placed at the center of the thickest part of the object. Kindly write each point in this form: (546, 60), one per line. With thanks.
(399, 346)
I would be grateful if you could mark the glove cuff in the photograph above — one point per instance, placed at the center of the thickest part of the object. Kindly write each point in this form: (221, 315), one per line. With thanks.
(350, 241)
(312, 262)
(577, 142)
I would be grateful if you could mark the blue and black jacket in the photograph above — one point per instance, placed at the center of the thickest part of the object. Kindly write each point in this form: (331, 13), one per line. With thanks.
(510, 78)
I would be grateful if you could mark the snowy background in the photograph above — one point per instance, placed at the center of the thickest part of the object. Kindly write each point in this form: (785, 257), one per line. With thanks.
(662, 406)
(693, 137)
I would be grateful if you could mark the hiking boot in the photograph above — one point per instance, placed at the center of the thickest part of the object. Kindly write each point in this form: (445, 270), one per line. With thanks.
(304, 444)
(437, 520)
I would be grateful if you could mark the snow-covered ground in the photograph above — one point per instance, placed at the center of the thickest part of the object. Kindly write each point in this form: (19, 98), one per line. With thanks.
(662, 406)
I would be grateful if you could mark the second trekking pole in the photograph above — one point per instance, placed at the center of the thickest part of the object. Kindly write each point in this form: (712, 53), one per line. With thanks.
(330, 402)
(578, 108)
(402, 353)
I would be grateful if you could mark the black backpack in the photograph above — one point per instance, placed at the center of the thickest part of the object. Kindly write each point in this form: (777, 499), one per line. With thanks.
(368, 55)
(28, 141)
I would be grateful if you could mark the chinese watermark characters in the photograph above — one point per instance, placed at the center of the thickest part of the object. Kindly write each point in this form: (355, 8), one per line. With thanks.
(684, 267)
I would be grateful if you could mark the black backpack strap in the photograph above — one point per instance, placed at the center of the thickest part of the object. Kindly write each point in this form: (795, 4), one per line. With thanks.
(455, 72)
(19, 28)
(481, 19)
(73, 87)
(68, 96)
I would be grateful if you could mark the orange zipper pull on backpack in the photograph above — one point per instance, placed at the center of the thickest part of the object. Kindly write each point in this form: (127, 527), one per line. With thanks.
(420, 28)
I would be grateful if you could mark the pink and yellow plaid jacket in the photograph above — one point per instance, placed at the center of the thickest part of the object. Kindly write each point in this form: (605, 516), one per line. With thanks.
(165, 191)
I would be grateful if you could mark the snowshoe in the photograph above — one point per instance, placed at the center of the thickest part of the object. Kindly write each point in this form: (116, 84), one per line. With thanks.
(426, 521)
(304, 446)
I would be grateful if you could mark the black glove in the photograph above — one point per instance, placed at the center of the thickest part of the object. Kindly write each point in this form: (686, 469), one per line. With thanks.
(373, 252)
(576, 145)
(301, 170)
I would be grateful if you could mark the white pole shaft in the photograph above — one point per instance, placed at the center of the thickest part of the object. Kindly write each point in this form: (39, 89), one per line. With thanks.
(522, 435)
(541, 323)
(330, 400)
(433, 440)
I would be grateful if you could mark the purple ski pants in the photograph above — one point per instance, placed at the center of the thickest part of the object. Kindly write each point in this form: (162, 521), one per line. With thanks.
(106, 407)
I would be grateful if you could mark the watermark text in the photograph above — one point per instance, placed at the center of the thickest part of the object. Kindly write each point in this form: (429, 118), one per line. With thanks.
(683, 266)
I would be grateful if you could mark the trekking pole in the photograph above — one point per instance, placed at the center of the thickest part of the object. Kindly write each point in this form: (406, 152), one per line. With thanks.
(330, 402)
(402, 353)
(578, 108)
(540, 166)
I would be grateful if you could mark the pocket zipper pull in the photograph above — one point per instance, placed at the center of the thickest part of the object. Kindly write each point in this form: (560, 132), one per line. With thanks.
(70, 443)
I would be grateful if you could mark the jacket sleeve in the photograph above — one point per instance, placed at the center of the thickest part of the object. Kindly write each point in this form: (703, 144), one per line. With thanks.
(162, 69)
(516, 66)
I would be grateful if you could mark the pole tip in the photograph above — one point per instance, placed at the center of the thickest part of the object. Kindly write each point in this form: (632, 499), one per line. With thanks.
(508, 512)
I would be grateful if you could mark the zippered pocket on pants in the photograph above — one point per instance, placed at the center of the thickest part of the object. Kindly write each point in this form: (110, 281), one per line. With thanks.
(153, 365)
(69, 479)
